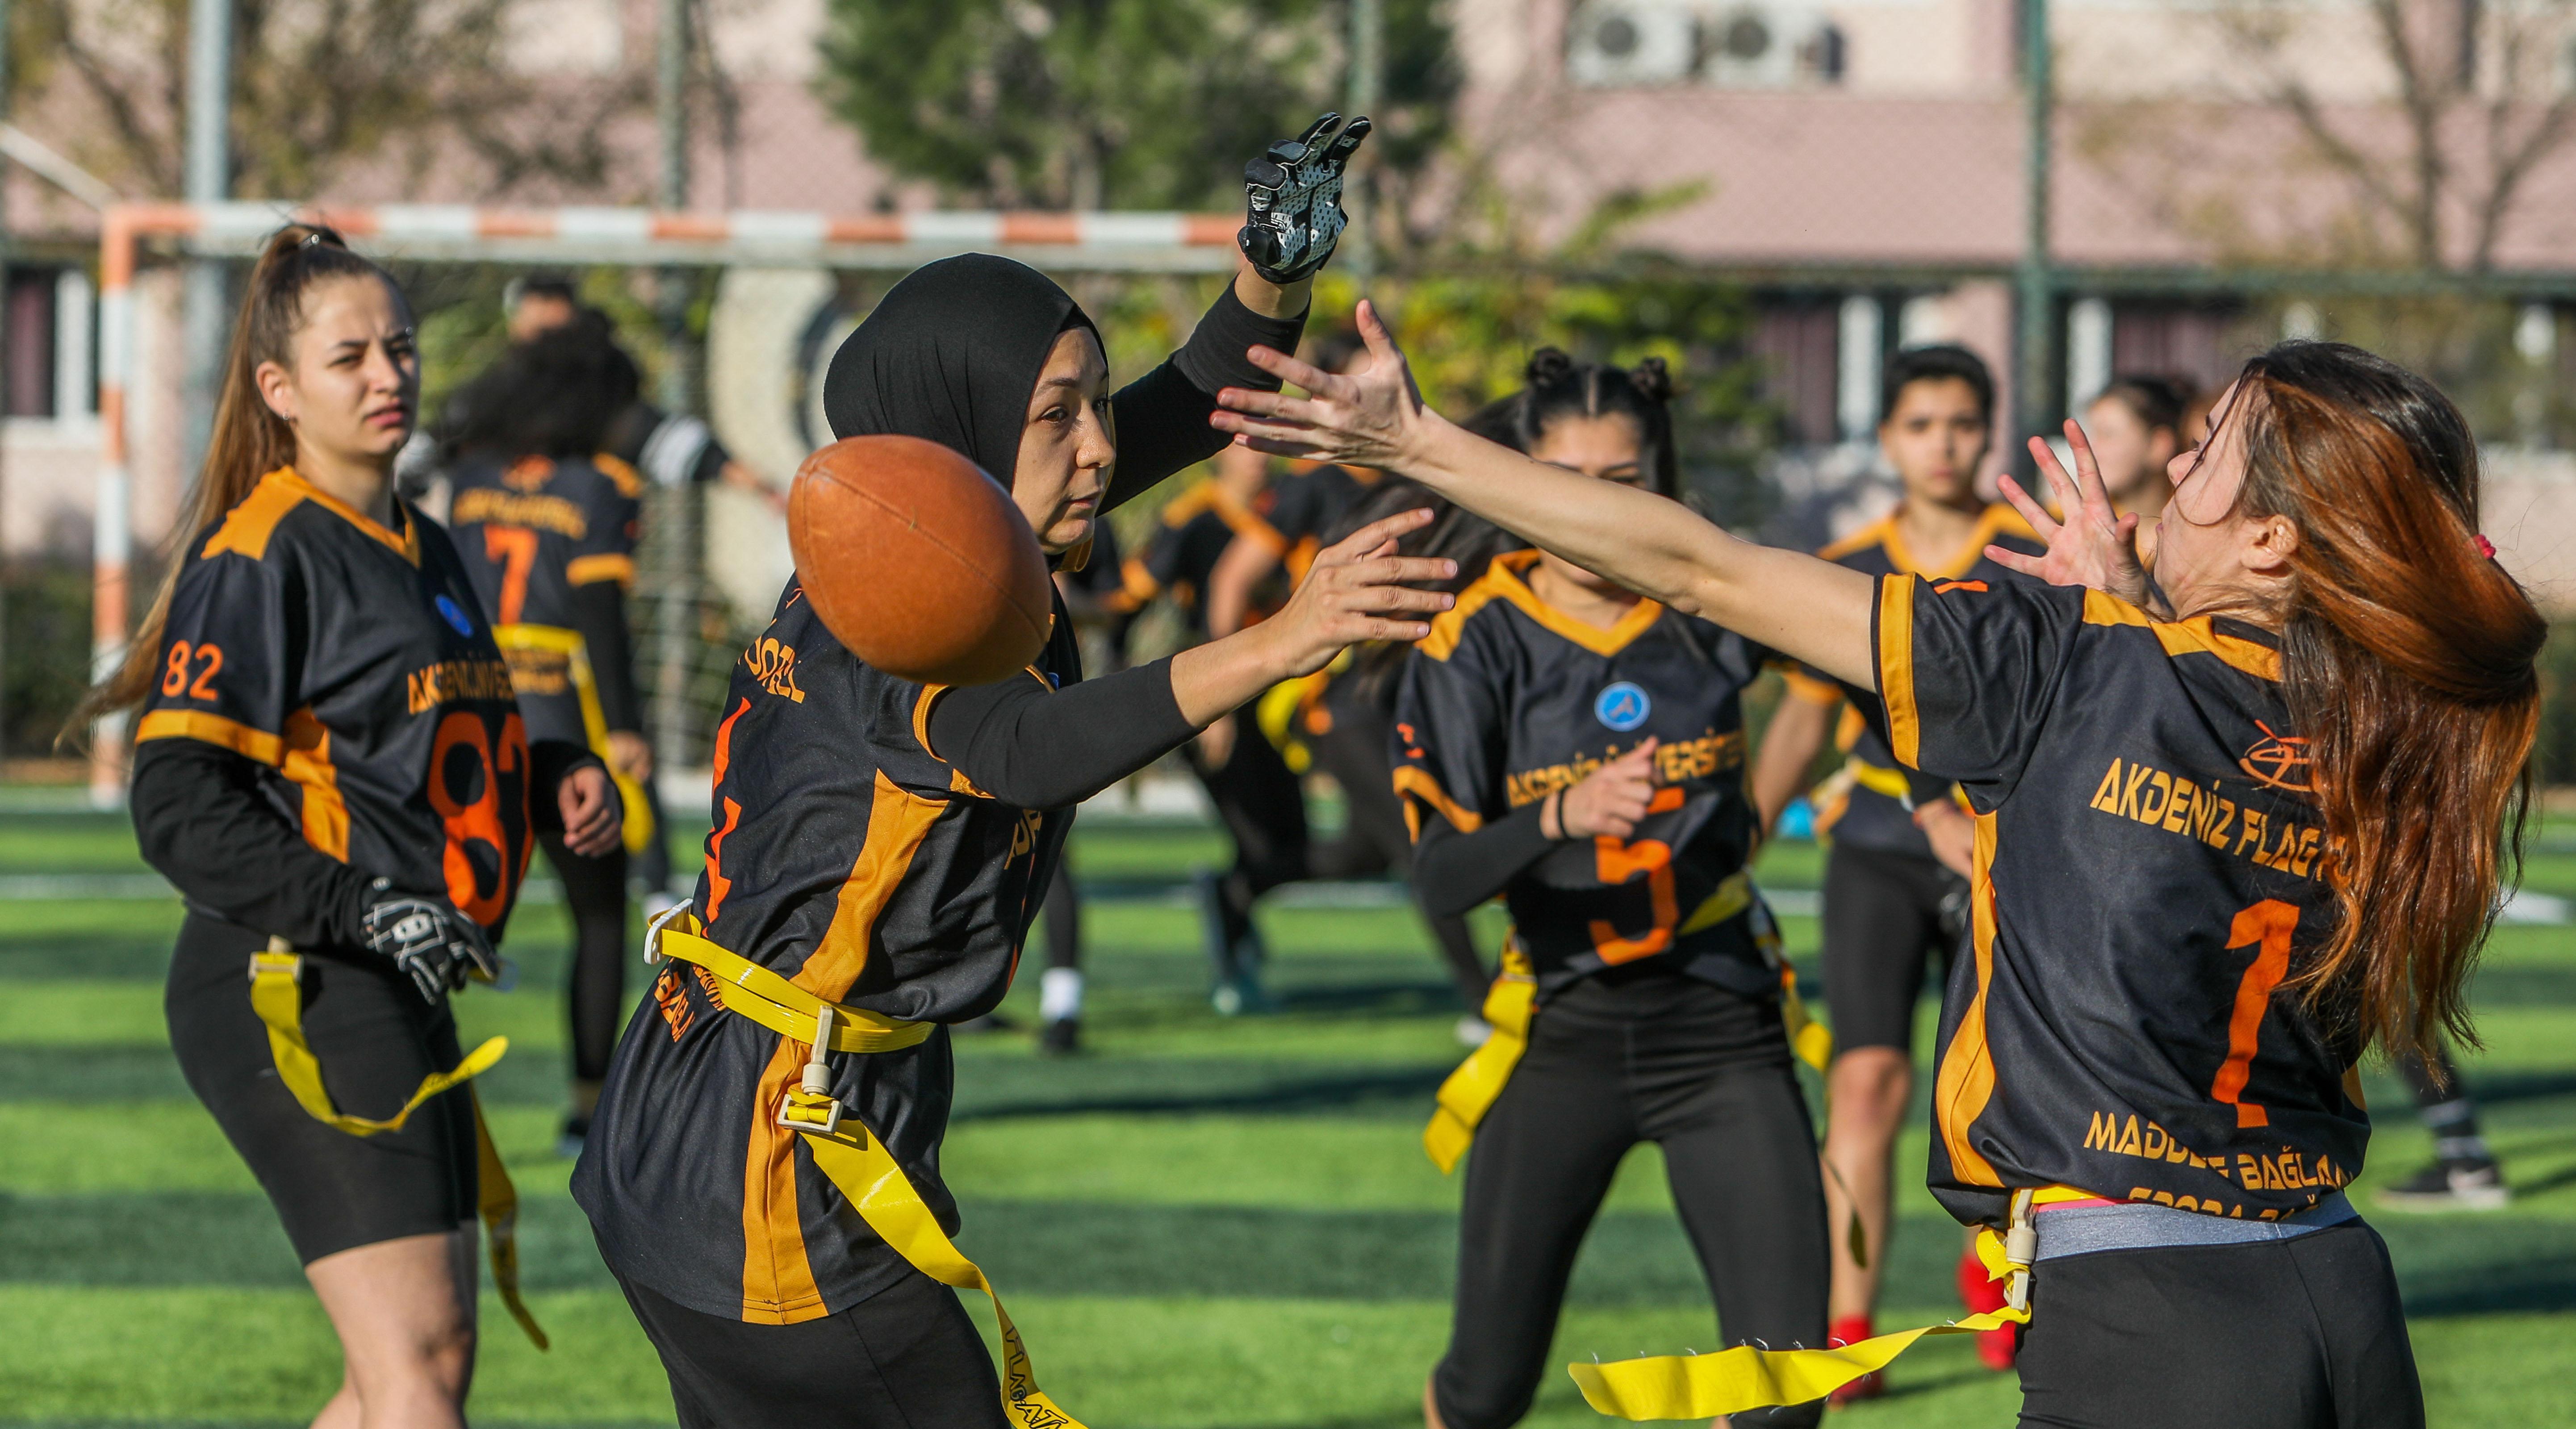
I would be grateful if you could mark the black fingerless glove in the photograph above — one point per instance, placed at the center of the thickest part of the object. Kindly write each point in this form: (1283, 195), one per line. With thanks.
(1293, 200)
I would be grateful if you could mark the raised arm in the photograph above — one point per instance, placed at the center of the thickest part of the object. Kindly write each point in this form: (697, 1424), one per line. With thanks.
(1811, 609)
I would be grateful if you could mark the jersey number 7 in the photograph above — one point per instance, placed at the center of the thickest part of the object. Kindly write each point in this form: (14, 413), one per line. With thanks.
(2265, 927)
(515, 547)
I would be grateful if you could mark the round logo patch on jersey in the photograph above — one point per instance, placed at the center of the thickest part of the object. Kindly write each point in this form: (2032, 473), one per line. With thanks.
(459, 621)
(1622, 706)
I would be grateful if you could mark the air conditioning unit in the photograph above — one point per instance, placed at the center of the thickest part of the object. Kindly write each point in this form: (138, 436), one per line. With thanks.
(1769, 46)
(1614, 44)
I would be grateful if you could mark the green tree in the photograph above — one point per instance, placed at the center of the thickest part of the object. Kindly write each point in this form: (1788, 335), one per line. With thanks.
(1078, 103)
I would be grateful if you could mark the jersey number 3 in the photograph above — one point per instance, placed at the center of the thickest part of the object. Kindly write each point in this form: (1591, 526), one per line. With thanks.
(2266, 928)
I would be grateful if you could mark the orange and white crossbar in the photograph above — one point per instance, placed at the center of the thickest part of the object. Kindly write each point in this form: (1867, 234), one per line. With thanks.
(1102, 242)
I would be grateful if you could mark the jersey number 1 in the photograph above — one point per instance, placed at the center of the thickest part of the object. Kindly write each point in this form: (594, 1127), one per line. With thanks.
(2266, 928)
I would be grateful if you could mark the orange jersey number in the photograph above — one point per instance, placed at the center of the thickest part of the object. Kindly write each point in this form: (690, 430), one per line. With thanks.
(515, 547)
(1617, 861)
(2265, 927)
(174, 676)
(465, 786)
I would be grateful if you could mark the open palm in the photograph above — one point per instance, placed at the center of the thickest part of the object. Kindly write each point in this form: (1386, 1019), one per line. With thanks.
(2092, 546)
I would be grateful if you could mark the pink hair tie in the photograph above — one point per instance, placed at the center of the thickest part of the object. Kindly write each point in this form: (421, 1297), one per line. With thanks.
(2486, 547)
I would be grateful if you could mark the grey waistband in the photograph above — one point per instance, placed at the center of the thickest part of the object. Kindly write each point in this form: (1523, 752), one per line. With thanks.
(2083, 1230)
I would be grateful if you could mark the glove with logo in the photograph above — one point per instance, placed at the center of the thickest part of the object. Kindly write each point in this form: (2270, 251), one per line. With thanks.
(427, 938)
(1293, 198)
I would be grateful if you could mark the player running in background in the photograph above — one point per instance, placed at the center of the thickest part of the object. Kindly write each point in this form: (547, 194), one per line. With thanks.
(546, 522)
(882, 847)
(1580, 751)
(2227, 842)
(1895, 884)
(332, 770)
(1255, 794)
(1095, 598)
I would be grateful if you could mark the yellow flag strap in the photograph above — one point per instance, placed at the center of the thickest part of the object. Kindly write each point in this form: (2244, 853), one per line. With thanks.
(277, 996)
(498, 1204)
(1469, 1091)
(747, 988)
(638, 816)
(1879, 779)
(853, 1160)
(1747, 1377)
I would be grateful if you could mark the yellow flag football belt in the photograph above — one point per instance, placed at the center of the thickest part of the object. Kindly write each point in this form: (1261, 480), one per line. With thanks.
(1744, 1378)
(844, 1151)
(554, 639)
(277, 996)
(1470, 1091)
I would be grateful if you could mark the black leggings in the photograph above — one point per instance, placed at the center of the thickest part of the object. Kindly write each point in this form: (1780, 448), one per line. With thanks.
(905, 1358)
(1698, 1069)
(2295, 1334)
(1264, 808)
(1063, 913)
(1376, 841)
(595, 892)
(1882, 924)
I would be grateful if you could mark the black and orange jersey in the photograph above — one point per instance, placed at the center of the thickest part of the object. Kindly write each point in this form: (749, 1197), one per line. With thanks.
(1510, 699)
(531, 531)
(1868, 809)
(1196, 528)
(2148, 869)
(1305, 504)
(351, 661)
(849, 858)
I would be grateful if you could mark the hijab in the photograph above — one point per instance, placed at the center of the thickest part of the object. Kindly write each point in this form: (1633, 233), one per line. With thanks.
(951, 356)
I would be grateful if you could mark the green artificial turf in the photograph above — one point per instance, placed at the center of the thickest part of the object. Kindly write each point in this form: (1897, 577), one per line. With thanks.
(1200, 1223)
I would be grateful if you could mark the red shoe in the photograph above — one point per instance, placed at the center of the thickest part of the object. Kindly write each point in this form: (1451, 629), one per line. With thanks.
(1851, 1330)
(1996, 1347)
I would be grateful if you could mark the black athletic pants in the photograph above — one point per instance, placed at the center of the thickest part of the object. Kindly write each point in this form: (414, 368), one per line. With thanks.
(1063, 913)
(1882, 924)
(595, 894)
(1698, 1069)
(2294, 1334)
(1376, 840)
(1264, 808)
(905, 1358)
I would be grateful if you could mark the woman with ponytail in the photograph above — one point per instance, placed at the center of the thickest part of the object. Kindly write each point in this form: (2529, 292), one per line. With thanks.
(1580, 751)
(330, 767)
(2232, 833)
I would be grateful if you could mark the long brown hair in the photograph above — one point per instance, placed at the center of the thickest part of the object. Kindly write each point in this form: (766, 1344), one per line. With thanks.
(248, 442)
(2407, 658)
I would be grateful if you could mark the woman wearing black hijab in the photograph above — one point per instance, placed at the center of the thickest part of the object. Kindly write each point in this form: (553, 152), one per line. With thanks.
(880, 849)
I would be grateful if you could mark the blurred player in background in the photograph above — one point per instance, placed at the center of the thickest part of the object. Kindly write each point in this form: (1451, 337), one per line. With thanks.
(546, 521)
(2136, 428)
(1255, 794)
(1895, 885)
(1580, 751)
(1350, 725)
(668, 450)
(332, 768)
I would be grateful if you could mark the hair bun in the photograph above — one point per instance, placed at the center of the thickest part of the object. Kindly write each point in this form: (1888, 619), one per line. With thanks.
(1652, 378)
(1547, 365)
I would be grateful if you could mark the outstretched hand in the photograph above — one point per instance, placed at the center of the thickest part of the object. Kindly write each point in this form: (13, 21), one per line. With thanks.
(1360, 589)
(2092, 546)
(1370, 418)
